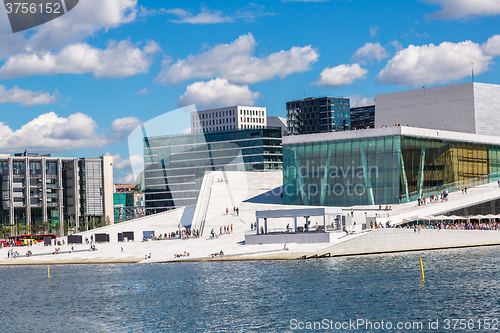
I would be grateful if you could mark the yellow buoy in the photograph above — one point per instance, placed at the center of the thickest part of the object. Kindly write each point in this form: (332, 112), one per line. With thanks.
(422, 269)
(48, 271)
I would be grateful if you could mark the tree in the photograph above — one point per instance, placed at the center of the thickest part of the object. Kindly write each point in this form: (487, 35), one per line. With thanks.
(37, 227)
(107, 221)
(45, 226)
(57, 226)
(5, 231)
(21, 228)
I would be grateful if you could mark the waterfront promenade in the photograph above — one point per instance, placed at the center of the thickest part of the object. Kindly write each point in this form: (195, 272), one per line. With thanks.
(248, 192)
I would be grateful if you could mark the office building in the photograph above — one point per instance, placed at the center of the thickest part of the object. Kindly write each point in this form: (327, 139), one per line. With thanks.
(318, 115)
(59, 190)
(174, 166)
(228, 118)
(96, 190)
(363, 117)
(468, 108)
(384, 165)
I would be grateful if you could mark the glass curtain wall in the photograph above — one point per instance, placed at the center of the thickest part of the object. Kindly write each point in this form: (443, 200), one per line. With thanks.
(342, 173)
(383, 170)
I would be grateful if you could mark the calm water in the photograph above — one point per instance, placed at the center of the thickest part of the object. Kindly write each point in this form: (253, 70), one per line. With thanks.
(255, 296)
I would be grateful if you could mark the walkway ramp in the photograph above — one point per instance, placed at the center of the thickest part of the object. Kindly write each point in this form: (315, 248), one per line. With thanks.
(456, 200)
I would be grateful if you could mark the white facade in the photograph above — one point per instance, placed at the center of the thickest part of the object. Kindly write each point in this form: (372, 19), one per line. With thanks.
(228, 118)
(468, 107)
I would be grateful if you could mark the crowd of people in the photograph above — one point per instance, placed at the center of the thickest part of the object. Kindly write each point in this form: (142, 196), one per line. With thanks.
(184, 234)
(449, 225)
(436, 198)
(227, 229)
(180, 255)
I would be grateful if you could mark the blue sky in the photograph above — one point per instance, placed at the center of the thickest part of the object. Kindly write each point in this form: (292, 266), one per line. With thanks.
(78, 85)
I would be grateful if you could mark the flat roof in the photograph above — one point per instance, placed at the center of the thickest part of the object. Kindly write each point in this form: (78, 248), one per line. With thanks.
(393, 131)
(298, 212)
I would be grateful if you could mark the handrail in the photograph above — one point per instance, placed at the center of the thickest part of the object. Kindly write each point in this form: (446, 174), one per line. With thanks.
(202, 203)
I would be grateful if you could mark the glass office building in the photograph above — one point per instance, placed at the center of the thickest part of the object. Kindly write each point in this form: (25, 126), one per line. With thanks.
(174, 166)
(318, 115)
(384, 166)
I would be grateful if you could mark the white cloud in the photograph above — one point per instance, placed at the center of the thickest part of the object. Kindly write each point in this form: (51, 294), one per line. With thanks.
(128, 178)
(124, 167)
(143, 91)
(428, 64)
(492, 46)
(84, 20)
(52, 133)
(26, 98)
(216, 93)
(126, 164)
(370, 51)
(211, 16)
(122, 127)
(373, 31)
(358, 100)
(341, 75)
(120, 59)
(235, 62)
(206, 16)
(454, 9)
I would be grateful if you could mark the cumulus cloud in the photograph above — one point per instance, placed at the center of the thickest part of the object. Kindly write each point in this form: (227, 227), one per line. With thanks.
(124, 167)
(428, 64)
(341, 75)
(52, 133)
(235, 62)
(359, 100)
(492, 46)
(122, 127)
(370, 51)
(26, 98)
(120, 59)
(216, 93)
(84, 20)
(455, 9)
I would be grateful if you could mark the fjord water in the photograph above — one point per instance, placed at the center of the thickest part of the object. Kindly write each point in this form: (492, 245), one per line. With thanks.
(253, 296)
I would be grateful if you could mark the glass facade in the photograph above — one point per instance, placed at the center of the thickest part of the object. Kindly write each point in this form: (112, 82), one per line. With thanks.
(382, 170)
(318, 115)
(174, 166)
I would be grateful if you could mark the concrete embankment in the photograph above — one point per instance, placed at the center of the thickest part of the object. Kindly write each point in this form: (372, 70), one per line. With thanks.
(360, 243)
(401, 240)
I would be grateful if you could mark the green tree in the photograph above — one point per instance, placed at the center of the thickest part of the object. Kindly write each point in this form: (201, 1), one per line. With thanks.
(37, 227)
(107, 221)
(5, 230)
(21, 228)
(57, 226)
(45, 226)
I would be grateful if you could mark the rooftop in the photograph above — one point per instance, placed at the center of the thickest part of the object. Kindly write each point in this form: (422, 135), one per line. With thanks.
(393, 131)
